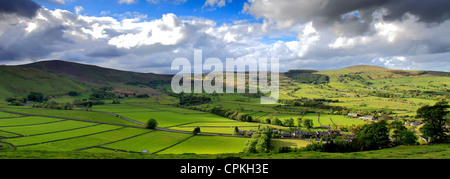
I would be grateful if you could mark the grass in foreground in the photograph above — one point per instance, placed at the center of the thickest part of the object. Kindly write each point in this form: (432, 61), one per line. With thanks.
(440, 151)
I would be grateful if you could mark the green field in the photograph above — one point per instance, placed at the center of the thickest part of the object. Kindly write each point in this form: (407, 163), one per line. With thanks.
(115, 130)
(75, 114)
(59, 134)
(152, 142)
(208, 145)
(441, 151)
(23, 121)
(7, 115)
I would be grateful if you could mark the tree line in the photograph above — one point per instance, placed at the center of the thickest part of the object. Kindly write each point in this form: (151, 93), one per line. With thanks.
(232, 114)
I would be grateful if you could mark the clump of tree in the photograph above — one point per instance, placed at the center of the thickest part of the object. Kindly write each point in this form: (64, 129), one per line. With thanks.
(288, 122)
(142, 96)
(260, 142)
(73, 93)
(236, 130)
(434, 129)
(36, 97)
(401, 135)
(191, 99)
(116, 101)
(244, 117)
(308, 123)
(54, 105)
(231, 114)
(102, 94)
(85, 103)
(32, 96)
(372, 137)
(16, 101)
(276, 121)
(196, 131)
(151, 124)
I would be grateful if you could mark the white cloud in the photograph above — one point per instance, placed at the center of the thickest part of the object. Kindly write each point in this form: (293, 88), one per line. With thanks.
(166, 31)
(396, 62)
(97, 31)
(215, 3)
(127, 1)
(78, 9)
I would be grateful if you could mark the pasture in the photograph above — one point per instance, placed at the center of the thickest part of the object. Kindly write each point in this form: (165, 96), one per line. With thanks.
(52, 134)
(64, 132)
(209, 145)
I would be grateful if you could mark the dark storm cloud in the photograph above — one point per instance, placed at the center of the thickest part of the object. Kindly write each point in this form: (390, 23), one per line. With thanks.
(348, 17)
(32, 46)
(26, 8)
(428, 11)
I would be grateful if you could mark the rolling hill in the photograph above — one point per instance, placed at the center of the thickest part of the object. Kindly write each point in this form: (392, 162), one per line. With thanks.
(94, 74)
(369, 72)
(18, 81)
(59, 77)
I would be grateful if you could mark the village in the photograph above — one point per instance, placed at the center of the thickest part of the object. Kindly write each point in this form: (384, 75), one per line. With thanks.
(299, 134)
(327, 131)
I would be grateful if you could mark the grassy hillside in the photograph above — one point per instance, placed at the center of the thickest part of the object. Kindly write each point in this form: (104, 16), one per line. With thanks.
(369, 72)
(56, 78)
(441, 151)
(16, 81)
(373, 88)
(95, 74)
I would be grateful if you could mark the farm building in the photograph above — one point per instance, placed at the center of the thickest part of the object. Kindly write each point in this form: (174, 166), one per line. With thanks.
(251, 132)
(368, 118)
(322, 134)
(301, 134)
(241, 132)
(286, 134)
(318, 134)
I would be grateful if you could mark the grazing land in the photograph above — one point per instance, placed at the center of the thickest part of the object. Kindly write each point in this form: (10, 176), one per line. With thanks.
(79, 117)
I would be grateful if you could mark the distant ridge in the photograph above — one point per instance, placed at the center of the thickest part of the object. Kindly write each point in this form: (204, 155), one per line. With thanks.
(376, 72)
(93, 74)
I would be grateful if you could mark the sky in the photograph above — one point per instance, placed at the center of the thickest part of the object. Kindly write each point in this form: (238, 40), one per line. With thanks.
(147, 35)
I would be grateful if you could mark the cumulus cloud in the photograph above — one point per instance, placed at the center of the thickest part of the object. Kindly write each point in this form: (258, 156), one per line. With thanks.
(166, 31)
(358, 14)
(360, 32)
(213, 4)
(127, 1)
(302, 34)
